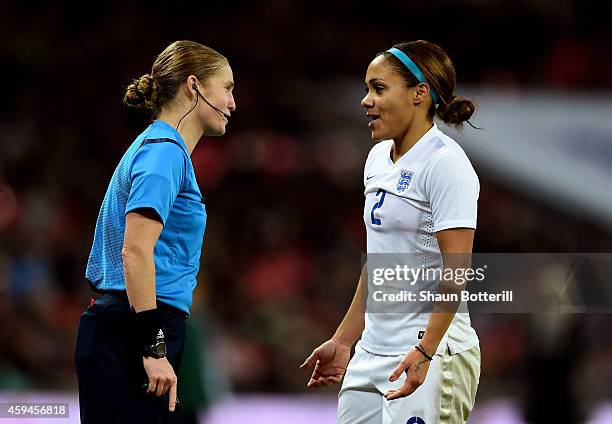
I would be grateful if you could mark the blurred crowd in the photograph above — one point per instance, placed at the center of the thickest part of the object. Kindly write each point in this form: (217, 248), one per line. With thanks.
(283, 189)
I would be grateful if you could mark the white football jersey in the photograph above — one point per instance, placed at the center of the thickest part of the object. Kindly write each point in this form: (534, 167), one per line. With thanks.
(432, 187)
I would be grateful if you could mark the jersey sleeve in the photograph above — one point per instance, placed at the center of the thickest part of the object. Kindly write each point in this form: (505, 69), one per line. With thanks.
(157, 175)
(452, 188)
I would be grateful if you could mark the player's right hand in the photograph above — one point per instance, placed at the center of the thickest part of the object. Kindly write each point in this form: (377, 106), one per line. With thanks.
(162, 379)
(330, 361)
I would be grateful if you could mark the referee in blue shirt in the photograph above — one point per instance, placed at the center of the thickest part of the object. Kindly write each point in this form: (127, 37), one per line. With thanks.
(147, 242)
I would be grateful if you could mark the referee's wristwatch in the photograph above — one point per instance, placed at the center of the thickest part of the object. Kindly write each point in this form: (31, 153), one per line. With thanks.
(156, 350)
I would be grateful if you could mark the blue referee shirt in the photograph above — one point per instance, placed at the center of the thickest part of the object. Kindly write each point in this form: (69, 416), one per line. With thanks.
(156, 172)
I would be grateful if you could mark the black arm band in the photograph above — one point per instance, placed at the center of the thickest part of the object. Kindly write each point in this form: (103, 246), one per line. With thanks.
(420, 349)
(146, 326)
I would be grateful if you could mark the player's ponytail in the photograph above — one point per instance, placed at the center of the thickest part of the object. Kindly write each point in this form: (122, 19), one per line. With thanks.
(439, 72)
(456, 111)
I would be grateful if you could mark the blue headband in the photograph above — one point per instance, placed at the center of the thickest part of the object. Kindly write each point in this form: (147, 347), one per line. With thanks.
(403, 57)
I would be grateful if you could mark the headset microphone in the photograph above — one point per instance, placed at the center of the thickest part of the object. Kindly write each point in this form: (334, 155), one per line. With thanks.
(225, 115)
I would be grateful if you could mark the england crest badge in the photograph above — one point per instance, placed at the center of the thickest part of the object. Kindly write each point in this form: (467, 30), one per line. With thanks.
(404, 180)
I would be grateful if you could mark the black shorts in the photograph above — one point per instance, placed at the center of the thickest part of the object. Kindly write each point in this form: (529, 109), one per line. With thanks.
(109, 366)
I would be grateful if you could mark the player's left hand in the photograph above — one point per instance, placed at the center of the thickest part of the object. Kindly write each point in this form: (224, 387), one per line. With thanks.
(416, 366)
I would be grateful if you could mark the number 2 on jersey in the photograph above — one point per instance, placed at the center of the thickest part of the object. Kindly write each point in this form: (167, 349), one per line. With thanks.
(377, 221)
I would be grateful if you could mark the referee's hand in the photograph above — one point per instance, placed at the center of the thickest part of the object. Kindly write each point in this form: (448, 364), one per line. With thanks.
(162, 379)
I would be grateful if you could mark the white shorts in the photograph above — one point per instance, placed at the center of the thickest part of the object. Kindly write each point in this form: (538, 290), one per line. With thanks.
(446, 396)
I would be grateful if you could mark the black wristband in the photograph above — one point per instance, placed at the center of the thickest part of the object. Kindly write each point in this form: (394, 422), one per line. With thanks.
(423, 352)
(146, 328)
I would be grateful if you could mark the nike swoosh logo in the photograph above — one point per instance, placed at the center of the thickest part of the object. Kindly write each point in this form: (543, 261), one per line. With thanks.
(371, 176)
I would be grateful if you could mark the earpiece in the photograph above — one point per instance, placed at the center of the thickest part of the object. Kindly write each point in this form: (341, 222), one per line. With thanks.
(195, 87)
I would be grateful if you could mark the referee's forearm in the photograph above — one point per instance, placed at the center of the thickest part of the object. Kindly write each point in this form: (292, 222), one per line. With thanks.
(139, 271)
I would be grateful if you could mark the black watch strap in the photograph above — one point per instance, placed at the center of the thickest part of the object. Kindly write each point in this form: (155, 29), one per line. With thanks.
(148, 333)
(157, 351)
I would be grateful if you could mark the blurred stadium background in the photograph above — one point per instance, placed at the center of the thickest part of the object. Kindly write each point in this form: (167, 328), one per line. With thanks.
(283, 188)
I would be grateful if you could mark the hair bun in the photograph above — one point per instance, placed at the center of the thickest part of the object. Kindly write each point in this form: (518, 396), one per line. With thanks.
(145, 85)
(141, 94)
(456, 110)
